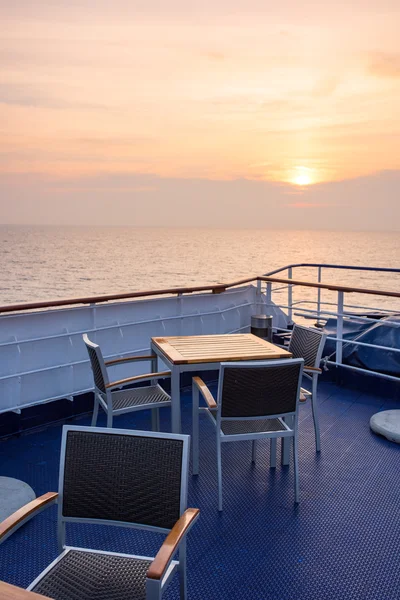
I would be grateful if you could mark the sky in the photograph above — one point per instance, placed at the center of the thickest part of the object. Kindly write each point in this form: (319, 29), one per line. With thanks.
(186, 113)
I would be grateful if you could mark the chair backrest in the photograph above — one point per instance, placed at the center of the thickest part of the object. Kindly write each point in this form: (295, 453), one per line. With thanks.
(259, 388)
(97, 363)
(118, 476)
(307, 343)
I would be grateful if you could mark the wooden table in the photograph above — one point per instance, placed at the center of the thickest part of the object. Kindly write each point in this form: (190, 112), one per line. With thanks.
(203, 352)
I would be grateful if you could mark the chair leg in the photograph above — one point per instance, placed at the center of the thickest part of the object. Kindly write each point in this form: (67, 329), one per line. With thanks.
(195, 430)
(286, 442)
(314, 404)
(95, 411)
(296, 469)
(253, 451)
(155, 419)
(272, 454)
(109, 418)
(182, 571)
(219, 471)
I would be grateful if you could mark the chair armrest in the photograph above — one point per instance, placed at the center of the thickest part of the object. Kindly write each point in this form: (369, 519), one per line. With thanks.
(11, 592)
(205, 392)
(144, 377)
(22, 515)
(312, 369)
(171, 543)
(117, 361)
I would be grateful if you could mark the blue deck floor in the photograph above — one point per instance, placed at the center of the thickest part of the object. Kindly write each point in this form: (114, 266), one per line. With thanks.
(341, 542)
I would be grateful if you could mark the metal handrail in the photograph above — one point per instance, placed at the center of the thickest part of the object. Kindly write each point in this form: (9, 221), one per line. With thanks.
(329, 266)
(215, 289)
(382, 310)
(332, 287)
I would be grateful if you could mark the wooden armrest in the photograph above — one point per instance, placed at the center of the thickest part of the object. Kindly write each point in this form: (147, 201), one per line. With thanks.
(11, 592)
(205, 392)
(9, 525)
(120, 382)
(171, 543)
(285, 334)
(116, 361)
(314, 369)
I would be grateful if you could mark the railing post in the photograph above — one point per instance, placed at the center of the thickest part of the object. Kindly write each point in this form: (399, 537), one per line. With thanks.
(260, 305)
(339, 328)
(92, 307)
(290, 297)
(268, 296)
(319, 295)
(180, 312)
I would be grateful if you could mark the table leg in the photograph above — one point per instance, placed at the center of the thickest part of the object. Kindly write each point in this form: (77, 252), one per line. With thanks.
(155, 412)
(176, 400)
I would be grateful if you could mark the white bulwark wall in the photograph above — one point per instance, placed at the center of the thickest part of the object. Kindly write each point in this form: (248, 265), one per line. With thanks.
(43, 358)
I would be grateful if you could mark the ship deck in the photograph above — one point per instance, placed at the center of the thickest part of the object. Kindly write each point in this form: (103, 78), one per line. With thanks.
(340, 542)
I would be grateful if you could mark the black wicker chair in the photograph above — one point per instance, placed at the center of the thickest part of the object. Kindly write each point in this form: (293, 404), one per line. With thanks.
(309, 344)
(116, 401)
(116, 477)
(256, 400)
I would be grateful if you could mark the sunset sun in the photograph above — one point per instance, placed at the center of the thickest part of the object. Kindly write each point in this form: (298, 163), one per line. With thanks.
(302, 176)
(302, 179)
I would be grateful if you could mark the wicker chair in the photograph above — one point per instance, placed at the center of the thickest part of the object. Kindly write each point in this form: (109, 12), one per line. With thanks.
(116, 401)
(254, 399)
(116, 477)
(309, 344)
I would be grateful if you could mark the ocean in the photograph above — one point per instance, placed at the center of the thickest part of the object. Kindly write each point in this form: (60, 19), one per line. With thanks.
(45, 263)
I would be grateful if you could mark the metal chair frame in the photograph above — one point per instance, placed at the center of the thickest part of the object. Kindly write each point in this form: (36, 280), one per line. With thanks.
(104, 398)
(288, 420)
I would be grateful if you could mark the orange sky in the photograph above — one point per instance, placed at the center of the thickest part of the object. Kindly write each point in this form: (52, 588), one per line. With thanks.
(299, 92)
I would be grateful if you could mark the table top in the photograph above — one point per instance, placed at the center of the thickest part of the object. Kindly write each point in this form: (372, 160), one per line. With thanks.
(192, 349)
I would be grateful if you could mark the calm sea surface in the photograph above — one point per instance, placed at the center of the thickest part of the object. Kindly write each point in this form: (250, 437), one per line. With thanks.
(44, 263)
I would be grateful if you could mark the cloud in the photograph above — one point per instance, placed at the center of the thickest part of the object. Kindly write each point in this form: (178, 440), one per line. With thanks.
(217, 56)
(310, 205)
(109, 182)
(385, 65)
(93, 188)
(114, 141)
(30, 96)
(326, 86)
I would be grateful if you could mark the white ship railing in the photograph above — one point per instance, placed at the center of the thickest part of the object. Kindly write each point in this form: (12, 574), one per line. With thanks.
(326, 309)
(42, 356)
